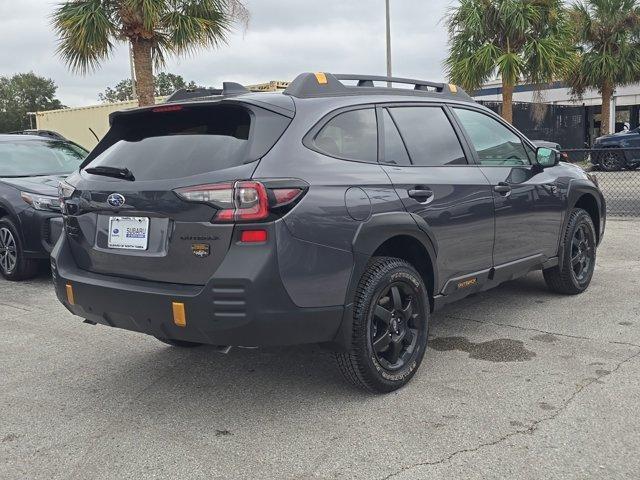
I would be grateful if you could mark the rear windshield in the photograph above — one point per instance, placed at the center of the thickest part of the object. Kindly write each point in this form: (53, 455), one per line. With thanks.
(32, 158)
(176, 144)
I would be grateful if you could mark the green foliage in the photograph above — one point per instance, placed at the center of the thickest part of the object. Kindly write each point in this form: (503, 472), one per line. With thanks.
(164, 84)
(515, 39)
(608, 35)
(88, 29)
(22, 93)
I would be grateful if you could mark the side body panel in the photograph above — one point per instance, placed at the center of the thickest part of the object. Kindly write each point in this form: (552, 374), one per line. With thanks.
(528, 219)
(317, 264)
(459, 215)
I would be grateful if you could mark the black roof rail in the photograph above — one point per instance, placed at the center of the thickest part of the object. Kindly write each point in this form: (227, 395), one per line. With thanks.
(311, 85)
(228, 89)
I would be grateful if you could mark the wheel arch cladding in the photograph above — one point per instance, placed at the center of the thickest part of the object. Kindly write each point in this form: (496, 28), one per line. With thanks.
(400, 235)
(391, 233)
(588, 202)
(410, 249)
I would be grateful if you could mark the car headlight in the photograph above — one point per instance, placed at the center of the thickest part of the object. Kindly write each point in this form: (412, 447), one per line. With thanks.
(41, 202)
(65, 191)
(593, 178)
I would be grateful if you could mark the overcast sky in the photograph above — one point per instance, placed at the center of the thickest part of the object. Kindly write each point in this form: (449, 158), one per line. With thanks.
(284, 38)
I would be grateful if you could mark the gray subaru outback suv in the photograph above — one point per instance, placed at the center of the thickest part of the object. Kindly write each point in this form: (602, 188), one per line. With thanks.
(338, 212)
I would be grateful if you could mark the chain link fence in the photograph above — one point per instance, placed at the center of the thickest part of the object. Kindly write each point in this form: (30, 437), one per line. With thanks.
(618, 174)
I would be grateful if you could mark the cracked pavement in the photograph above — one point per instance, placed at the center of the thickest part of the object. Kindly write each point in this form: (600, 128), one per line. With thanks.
(519, 382)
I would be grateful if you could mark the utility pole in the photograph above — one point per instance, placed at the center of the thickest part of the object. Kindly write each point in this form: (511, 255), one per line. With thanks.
(133, 73)
(389, 70)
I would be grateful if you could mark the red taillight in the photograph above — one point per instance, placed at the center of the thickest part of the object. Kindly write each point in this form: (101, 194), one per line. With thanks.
(240, 201)
(284, 196)
(251, 201)
(167, 108)
(253, 236)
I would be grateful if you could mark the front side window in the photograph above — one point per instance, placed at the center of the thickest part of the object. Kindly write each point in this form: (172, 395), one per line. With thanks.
(351, 135)
(495, 143)
(429, 136)
(31, 158)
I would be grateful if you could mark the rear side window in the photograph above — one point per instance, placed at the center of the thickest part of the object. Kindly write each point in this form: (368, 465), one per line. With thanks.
(192, 141)
(351, 135)
(429, 136)
(395, 152)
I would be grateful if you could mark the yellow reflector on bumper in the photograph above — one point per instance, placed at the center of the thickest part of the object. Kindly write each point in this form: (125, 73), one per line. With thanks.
(70, 298)
(179, 315)
(321, 77)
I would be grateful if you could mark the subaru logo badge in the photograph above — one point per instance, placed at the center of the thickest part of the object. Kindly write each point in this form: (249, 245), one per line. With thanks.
(115, 200)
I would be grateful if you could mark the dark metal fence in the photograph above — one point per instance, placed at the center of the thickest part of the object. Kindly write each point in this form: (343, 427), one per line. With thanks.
(618, 173)
(562, 124)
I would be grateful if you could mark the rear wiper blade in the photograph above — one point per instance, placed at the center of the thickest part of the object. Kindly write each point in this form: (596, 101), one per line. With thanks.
(123, 173)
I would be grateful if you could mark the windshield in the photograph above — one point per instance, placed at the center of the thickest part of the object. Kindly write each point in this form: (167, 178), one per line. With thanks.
(31, 158)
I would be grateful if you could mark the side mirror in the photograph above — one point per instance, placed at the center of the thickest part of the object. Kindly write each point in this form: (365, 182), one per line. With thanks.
(547, 157)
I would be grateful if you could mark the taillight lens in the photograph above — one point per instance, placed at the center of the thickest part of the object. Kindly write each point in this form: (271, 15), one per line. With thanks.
(239, 201)
(284, 196)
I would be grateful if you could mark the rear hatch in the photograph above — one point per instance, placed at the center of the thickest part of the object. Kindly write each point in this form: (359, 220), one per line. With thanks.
(137, 208)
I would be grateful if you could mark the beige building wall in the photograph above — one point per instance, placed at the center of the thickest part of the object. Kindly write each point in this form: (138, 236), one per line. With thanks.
(76, 124)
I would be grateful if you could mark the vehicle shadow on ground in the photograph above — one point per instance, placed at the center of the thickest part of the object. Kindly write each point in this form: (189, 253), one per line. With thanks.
(250, 379)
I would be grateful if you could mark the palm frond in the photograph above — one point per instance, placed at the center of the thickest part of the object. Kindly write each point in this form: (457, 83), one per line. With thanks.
(85, 31)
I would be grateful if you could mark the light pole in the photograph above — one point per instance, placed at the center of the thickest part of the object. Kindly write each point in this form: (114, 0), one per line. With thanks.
(134, 91)
(389, 72)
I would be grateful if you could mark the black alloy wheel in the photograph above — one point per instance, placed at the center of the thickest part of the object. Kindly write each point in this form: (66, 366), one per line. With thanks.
(395, 326)
(390, 327)
(582, 253)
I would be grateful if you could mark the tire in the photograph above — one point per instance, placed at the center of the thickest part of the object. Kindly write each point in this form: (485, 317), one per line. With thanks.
(611, 161)
(14, 266)
(390, 321)
(179, 343)
(574, 274)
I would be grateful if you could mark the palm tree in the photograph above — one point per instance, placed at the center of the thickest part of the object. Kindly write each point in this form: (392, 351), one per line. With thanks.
(513, 39)
(608, 35)
(88, 30)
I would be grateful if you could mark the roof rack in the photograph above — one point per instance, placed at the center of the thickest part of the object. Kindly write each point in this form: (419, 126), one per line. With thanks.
(228, 89)
(312, 85)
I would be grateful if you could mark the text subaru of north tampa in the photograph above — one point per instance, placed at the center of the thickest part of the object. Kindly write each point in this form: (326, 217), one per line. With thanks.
(338, 212)
(31, 167)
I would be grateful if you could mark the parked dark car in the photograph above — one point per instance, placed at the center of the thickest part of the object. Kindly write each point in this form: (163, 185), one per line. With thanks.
(618, 151)
(331, 214)
(30, 219)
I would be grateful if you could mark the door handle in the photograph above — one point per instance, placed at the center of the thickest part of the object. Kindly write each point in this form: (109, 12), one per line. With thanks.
(502, 188)
(420, 194)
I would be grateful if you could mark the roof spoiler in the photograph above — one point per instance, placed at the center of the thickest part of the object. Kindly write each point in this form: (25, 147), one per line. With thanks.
(311, 85)
(229, 89)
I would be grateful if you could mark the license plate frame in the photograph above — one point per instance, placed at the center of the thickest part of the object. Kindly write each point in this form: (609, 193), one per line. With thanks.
(128, 233)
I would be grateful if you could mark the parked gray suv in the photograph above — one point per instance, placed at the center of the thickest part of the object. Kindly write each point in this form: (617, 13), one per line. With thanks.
(338, 212)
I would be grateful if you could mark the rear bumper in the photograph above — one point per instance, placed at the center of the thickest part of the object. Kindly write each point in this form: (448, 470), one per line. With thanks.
(244, 304)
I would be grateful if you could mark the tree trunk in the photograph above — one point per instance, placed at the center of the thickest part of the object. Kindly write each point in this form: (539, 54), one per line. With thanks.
(144, 71)
(605, 115)
(507, 101)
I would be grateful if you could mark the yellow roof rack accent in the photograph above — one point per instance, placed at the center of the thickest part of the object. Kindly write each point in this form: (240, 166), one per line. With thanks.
(322, 78)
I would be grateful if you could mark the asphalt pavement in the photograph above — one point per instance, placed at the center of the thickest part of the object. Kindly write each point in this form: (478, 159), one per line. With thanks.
(518, 383)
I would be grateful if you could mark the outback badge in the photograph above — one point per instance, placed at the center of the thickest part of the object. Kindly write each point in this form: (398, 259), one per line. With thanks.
(201, 250)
